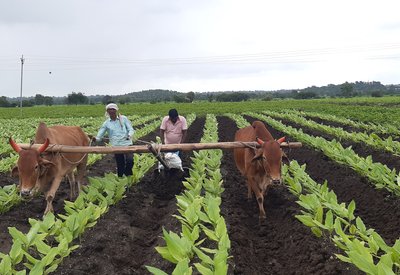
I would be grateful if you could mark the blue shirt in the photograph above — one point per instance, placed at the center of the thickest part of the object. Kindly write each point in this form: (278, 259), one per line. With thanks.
(120, 131)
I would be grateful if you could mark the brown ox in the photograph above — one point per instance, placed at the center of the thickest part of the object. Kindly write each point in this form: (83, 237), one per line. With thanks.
(44, 171)
(262, 166)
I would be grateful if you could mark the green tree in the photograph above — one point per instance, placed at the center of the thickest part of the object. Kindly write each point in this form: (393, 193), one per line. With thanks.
(107, 99)
(4, 102)
(305, 95)
(179, 99)
(28, 103)
(39, 99)
(346, 89)
(77, 98)
(190, 96)
(377, 94)
(48, 100)
(232, 97)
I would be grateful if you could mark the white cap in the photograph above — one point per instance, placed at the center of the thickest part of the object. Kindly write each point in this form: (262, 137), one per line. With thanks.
(112, 106)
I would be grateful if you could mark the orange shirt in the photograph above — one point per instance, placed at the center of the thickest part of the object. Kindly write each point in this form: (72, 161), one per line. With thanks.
(173, 132)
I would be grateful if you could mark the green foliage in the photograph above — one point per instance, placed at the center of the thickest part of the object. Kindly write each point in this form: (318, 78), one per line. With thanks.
(232, 97)
(76, 98)
(346, 90)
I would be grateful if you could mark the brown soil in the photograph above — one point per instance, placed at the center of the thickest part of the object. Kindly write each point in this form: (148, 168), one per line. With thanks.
(123, 240)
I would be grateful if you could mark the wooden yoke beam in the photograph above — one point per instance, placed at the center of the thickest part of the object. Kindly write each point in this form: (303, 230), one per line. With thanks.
(145, 149)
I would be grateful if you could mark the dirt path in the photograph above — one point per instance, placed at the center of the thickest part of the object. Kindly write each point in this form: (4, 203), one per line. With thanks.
(359, 148)
(282, 245)
(124, 240)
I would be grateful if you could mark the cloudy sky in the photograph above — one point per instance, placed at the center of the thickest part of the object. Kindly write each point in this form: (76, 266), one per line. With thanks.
(122, 46)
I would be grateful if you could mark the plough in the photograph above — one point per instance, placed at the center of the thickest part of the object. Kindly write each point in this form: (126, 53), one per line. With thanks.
(153, 148)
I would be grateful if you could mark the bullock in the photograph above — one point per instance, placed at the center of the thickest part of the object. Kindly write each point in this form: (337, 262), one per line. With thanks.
(44, 171)
(262, 166)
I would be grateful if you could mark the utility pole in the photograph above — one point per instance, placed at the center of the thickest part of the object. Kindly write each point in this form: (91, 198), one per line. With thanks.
(22, 74)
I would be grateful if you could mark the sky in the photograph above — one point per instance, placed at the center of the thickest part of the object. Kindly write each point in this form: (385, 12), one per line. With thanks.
(121, 46)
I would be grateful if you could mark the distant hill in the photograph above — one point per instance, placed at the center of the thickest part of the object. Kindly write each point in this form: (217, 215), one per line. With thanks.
(359, 88)
(159, 95)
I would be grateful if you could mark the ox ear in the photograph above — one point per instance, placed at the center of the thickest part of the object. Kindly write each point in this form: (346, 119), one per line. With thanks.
(15, 172)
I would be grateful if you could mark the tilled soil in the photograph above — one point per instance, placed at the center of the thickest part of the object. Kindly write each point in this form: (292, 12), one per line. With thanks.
(123, 240)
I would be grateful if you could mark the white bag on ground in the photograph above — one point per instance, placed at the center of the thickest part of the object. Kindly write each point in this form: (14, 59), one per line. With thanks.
(172, 160)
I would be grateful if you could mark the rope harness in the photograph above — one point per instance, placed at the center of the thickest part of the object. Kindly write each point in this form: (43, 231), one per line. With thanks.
(63, 157)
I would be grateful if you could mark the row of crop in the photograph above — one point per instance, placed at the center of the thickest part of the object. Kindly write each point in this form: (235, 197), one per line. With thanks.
(367, 100)
(203, 241)
(363, 247)
(374, 114)
(368, 126)
(378, 174)
(377, 114)
(326, 216)
(49, 241)
(9, 196)
(372, 140)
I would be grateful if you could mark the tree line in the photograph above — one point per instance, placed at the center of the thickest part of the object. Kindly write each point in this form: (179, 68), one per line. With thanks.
(359, 88)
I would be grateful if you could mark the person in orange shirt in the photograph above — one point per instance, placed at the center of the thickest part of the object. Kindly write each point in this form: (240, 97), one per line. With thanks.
(173, 128)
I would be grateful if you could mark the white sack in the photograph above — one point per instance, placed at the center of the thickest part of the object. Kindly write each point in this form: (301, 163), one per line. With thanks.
(172, 160)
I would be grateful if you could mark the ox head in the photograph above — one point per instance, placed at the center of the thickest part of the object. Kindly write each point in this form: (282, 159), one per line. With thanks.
(271, 156)
(31, 167)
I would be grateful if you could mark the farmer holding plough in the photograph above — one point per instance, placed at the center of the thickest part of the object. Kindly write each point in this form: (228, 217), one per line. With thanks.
(120, 132)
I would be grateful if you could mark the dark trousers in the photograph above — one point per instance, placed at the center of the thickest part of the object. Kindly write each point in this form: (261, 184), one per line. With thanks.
(124, 164)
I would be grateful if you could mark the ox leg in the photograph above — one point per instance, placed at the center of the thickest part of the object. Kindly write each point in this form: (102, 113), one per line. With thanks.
(51, 194)
(260, 199)
(81, 173)
(249, 192)
(72, 185)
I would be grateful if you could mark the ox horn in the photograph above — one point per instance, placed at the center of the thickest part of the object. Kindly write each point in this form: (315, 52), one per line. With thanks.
(282, 139)
(44, 146)
(14, 145)
(259, 141)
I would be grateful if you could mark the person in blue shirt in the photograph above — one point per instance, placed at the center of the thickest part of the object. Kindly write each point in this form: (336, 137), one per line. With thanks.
(120, 133)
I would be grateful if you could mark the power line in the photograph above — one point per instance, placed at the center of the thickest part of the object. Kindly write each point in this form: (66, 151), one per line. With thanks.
(293, 56)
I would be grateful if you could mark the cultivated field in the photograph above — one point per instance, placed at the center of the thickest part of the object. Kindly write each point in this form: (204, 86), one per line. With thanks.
(347, 226)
